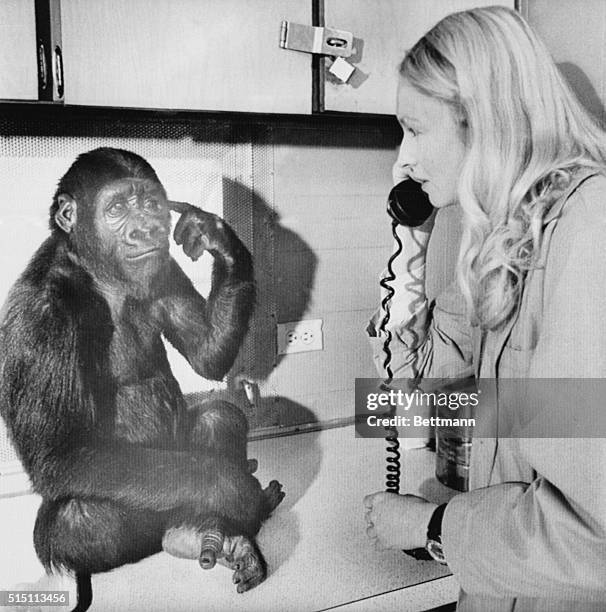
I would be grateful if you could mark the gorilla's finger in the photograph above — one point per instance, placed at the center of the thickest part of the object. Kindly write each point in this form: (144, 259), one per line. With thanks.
(179, 207)
(194, 245)
(180, 228)
(186, 237)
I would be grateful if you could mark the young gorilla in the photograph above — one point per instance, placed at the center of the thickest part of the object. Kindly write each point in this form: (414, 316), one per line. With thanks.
(99, 421)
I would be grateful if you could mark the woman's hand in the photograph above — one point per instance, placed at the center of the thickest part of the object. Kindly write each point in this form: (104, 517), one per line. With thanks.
(397, 521)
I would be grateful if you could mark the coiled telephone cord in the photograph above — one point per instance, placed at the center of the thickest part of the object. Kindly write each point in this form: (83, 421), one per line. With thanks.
(394, 467)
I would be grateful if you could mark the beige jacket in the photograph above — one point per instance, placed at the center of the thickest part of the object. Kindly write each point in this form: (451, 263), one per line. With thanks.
(531, 533)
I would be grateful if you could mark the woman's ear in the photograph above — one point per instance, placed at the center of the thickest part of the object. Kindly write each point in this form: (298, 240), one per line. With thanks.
(66, 215)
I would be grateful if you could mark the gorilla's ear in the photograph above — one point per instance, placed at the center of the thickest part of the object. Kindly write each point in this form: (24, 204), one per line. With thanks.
(66, 214)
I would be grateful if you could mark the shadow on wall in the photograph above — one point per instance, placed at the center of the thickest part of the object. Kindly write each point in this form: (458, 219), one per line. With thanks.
(585, 91)
(285, 268)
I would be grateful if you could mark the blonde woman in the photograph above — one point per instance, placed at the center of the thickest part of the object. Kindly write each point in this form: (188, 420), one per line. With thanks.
(490, 125)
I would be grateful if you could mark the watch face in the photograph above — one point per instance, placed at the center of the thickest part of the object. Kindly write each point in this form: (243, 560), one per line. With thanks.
(434, 548)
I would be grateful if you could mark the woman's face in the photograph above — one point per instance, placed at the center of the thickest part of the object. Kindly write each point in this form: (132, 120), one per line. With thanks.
(432, 148)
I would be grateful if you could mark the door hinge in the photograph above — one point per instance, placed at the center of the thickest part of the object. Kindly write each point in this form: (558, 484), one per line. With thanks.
(51, 86)
(314, 39)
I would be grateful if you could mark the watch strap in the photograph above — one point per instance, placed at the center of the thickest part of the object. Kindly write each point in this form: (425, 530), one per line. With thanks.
(434, 535)
(434, 532)
(434, 529)
(420, 554)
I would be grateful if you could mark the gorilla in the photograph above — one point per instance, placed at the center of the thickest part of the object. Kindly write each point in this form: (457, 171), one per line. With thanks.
(123, 467)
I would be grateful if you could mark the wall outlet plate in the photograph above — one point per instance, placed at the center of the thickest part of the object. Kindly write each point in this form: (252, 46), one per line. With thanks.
(300, 336)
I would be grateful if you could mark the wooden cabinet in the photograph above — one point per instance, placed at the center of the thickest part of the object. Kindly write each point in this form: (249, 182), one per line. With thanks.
(223, 55)
(383, 32)
(191, 54)
(18, 73)
(30, 50)
(575, 34)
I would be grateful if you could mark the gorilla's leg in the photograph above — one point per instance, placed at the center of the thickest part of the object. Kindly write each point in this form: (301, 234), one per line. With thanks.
(221, 428)
(218, 427)
(91, 536)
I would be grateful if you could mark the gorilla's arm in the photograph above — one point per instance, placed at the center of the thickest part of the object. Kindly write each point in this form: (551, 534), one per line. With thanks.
(56, 396)
(209, 333)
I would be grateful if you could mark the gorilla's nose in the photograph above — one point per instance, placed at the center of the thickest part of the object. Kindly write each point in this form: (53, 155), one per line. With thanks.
(145, 234)
(139, 234)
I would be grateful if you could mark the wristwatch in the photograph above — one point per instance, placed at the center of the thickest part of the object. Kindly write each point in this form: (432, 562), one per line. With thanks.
(434, 535)
(433, 545)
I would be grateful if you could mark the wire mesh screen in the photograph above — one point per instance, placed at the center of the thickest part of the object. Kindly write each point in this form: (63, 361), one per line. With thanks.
(7, 453)
(302, 197)
(208, 165)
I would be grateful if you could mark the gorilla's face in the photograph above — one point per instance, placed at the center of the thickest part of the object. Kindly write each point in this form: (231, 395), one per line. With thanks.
(129, 237)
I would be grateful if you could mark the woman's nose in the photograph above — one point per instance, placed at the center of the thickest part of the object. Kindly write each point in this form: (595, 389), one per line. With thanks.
(406, 159)
(407, 154)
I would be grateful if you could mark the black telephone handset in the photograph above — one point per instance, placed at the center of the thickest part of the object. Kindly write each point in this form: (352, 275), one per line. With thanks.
(408, 204)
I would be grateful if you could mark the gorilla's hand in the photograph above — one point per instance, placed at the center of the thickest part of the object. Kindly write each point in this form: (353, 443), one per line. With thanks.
(199, 231)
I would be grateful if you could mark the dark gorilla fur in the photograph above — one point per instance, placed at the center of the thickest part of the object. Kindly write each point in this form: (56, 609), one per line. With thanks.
(92, 406)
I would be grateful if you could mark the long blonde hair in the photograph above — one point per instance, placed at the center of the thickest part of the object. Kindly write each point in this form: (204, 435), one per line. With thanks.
(525, 133)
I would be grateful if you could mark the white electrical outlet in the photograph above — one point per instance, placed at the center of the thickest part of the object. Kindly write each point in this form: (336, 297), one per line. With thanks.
(300, 336)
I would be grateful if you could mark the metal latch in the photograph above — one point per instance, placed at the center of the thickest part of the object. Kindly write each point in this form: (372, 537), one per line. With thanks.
(314, 39)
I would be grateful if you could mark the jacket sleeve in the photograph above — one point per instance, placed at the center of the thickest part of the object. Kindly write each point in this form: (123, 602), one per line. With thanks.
(547, 538)
(433, 341)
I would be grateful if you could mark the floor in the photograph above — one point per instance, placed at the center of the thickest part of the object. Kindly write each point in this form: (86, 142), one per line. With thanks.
(318, 555)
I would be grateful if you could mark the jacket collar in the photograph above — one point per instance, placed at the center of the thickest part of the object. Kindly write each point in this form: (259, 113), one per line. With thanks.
(579, 177)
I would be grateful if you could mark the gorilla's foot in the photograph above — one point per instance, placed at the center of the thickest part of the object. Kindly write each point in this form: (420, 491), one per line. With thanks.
(274, 494)
(203, 543)
(238, 553)
(243, 556)
(212, 546)
(183, 542)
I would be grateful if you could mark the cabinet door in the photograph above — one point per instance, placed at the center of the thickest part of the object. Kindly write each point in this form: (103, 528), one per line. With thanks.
(575, 34)
(384, 31)
(191, 54)
(18, 72)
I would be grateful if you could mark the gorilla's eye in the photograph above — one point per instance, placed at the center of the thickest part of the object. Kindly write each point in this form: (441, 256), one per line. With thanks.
(117, 208)
(151, 205)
